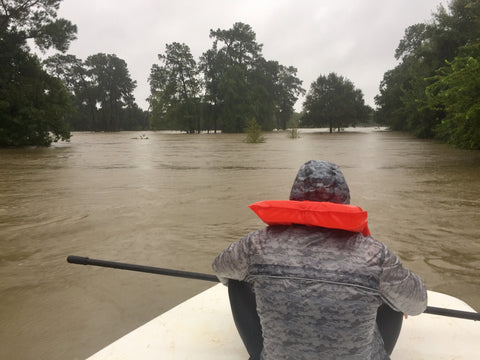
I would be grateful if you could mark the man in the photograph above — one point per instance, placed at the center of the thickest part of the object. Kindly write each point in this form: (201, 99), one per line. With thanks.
(319, 279)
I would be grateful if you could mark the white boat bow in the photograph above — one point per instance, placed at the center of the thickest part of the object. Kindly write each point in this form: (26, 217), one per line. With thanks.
(203, 328)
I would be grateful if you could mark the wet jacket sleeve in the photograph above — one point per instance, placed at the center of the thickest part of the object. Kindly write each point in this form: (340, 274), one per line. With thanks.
(400, 288)
(232, 263)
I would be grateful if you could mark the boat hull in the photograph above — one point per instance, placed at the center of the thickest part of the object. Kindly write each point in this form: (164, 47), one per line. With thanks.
(202, 328)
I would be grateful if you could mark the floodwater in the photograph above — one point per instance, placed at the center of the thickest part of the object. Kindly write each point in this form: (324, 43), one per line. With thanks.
(176, 200)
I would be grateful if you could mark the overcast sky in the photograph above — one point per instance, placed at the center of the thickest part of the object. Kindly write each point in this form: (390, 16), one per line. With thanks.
(354, 38)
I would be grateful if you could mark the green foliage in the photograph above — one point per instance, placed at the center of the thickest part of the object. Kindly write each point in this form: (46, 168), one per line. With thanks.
(232, 69)
(286, 88)
(238, 84)
(110, 82)
(33, 105)
(293, 129)
(236, 104)
(254, 132)
(333, 101)
(175, 90)
(455, 93)
(407, 95)
(101, 92)
(37, 20)
(248, 85)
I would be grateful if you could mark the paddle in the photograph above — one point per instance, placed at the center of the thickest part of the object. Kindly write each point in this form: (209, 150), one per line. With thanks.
(207, 277)
(146, 269)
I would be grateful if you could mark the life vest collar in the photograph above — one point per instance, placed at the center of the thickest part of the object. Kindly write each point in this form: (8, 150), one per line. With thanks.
(312, 213)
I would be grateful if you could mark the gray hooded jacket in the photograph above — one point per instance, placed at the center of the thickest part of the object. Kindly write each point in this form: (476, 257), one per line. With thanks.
(318, 289)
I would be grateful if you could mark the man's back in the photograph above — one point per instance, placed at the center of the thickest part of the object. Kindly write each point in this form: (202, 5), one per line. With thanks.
(317, 292)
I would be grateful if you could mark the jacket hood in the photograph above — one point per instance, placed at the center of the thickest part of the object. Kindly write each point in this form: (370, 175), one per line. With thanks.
(320, 181)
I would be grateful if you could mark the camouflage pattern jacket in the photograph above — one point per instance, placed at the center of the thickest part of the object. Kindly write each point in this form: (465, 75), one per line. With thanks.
(318, 290)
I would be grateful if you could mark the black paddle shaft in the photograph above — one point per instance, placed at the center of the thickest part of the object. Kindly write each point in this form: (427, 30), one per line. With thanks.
(452, 313)
(208, 277)
(141, 268)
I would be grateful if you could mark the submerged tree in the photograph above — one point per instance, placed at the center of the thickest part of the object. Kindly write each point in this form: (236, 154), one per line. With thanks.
(288, 89)
(241, 84)
(113, 88)
(293, 129)
(175, 90)
(333, 101)
(101, 92)
(232, 83)
(76, 78)
(254, 132)
(233, 56)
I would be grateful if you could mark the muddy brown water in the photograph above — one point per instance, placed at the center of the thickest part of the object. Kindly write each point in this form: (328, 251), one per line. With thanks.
(176, 200)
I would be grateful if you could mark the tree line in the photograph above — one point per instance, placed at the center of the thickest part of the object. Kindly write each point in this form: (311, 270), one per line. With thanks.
(229, 85)
(227, 88)
(101, 92)
(434, 91)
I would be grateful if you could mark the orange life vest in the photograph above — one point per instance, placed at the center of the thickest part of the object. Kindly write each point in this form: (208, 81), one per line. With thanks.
(312, 213)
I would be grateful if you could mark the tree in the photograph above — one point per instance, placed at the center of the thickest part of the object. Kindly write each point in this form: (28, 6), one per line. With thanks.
(390, 109)
(403, 103)
(37, 20)
(75, 76)
(236, 101)
(239, 45)
(332, 101)
(133, 118)
(275, 89)
(112, 87)
(288, 88)
(226, 67)
(254, 132)
(293, 128)
(261, 90)
(33, 105)
(100, 92)
(212, 66)
(455, 93)
(175, 90)
(241, 84)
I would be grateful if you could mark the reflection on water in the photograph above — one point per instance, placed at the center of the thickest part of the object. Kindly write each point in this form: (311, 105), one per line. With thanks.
(175, 200)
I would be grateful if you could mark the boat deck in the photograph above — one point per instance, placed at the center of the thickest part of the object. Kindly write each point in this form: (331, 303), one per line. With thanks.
(202, 328)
